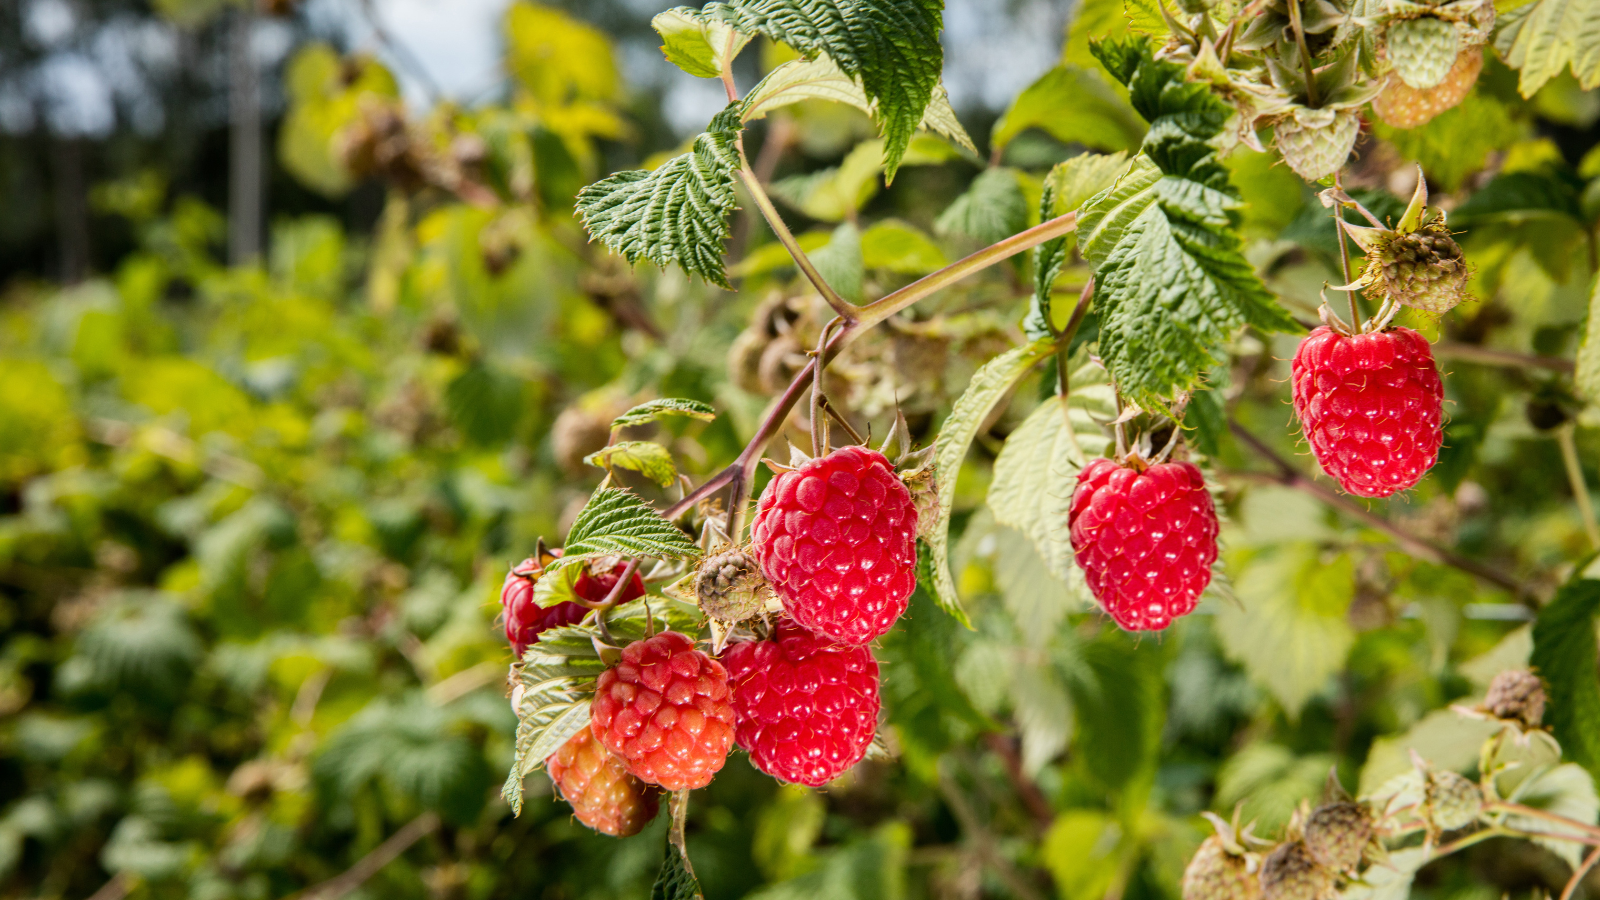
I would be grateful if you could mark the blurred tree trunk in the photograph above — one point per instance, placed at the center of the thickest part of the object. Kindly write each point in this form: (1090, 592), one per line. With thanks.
(72, 208)
(245, 195)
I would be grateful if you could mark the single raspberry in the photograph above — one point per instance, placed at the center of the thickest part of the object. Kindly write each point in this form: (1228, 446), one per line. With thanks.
(1518, 695)
(1372, 407)
(665, 710)
(604, 795)
(806, 709)
(525, 619)
(1145, 539)
(837, 539)
(1336, 834)
(1217, 873)
(1402, 106)
(1452, 801)
(1290, 872)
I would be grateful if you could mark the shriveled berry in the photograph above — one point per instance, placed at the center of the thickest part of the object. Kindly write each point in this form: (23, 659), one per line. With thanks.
(603, 794)
(1452, 800)
(1215, 873)
(1516, 694)
(837, 539)
(1145, 539)
(1290, 872)
(806, 708)
(665, 710)
(1337, 833)
(524, 619)
(729, 587)
(1372, 407)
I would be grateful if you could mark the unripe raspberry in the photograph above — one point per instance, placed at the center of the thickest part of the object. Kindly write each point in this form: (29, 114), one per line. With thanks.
(806, 708)
(604, 795)
(1214, 873)
(1452, 801)
(729, 587)
(1337, 833)
(837, 539)
(1422, 50)
(525, 620)
(1145, 539)
(1516, 694)
(1372, 407)
(1403, 106)
(665, 710)
(1290, 872)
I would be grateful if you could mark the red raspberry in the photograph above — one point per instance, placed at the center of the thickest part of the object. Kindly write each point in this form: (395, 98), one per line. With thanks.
(1372, 407)
(604, 794)
(837, 537)
(806, 708)
(1145, 539)
(665, 710)
(526, 619)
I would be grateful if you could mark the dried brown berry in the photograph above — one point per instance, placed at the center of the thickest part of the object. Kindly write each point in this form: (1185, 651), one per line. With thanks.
(1337, 833)
(1290, 872)
(730, 588)
(1516, 694)
(1217, 873)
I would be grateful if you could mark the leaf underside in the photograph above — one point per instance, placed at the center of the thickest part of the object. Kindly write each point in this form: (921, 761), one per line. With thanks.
(891, 46)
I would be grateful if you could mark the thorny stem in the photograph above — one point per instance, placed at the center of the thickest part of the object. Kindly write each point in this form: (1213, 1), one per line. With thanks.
(1344, 257)
(1517, 809)
(769, 212)
(1578, 876)
(1288, 476)
(1305, 53)
(873, 313)
(819, 422)
(1580, 488)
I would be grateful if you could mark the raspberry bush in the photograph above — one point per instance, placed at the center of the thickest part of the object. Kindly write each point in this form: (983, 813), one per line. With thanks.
(1178, 489)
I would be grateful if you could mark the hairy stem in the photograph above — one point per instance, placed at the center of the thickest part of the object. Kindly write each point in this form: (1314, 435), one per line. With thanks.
(1344, 258)
(844, 308)
(871, 314)
(1288, 476)
(1580, 488)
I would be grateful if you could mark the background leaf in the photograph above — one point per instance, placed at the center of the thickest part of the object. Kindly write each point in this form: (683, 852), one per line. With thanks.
(1565, 654)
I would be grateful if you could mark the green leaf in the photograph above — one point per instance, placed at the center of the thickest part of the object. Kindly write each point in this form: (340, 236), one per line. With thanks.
(677, 213)
(1543, 38)
(1092, 20)
(1587, 376)
(485, 403)
(1564, 653)
(695, 43)
(675, 881)
(656, 410)
(1038, 466)
(900, 247)
(840, 263)
(1566, 790)
(1270, 780)
(648, 458)
(1080, 178)
(1457, 142)
(1289, 629)
(835, 193)
(1171, 283)
(988, 387)
(1080, 852)
(1522, 196)
(1120, 711)
(617, 523)
(1444, 738)
(892, 46)
(822, 79)
(1074, 106)
(991, 209)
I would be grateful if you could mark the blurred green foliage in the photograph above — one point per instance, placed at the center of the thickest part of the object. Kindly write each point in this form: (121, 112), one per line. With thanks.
(253, 520)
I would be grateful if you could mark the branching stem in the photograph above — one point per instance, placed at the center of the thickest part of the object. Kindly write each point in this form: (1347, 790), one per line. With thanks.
(1288, 476)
